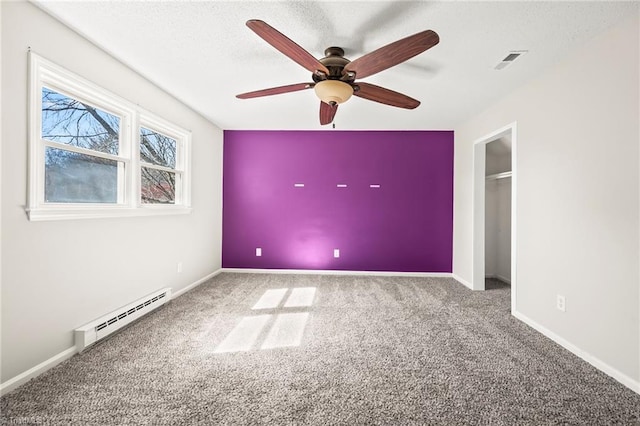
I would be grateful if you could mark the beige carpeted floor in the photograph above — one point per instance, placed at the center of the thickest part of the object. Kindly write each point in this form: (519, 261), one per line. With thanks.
(291, 349)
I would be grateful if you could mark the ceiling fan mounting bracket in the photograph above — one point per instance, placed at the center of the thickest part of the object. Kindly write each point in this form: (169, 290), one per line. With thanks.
(335, 63)
(334, 51)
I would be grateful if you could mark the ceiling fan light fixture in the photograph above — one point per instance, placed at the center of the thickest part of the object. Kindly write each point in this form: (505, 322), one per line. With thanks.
(333, 91)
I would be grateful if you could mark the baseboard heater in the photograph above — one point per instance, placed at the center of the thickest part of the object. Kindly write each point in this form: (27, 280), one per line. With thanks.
(107, 324)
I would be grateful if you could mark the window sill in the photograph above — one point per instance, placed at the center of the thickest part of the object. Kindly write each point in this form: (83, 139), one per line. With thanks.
(44, 214)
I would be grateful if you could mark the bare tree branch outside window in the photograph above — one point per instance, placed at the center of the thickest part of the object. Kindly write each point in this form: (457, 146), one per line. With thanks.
(157, 186)
(69, 121)
(74, 177)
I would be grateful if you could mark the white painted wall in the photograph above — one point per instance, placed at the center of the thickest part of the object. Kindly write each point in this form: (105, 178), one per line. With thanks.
(577, 198)
(503, 231)
(59, 275)
(490, 227)
(495, 164)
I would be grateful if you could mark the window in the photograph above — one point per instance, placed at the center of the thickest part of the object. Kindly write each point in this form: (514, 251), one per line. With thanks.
(93, 154)
(82, 161)
(159, 176)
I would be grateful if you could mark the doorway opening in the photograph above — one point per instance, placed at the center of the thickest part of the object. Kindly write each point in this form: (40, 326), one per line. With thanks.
(494, 209)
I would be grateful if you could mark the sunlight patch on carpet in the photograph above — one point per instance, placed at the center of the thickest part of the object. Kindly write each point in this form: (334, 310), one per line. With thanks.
(300, 297)
(282, 329)
(270, 299)
(244, 335)
(287, 331)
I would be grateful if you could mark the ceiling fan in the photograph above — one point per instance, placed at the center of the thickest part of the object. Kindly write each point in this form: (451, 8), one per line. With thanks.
(334, 75)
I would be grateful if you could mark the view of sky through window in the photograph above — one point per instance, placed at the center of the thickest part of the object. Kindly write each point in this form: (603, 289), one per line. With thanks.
(156, 148)
(72, 122)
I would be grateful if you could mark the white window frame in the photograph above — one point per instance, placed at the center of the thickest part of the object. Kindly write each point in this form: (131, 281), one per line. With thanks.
(44, 73)
(183, 157)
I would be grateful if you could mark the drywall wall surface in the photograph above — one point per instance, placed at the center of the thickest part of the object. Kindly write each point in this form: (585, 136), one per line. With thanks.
(577, 196)
(503, 228)
(497, 163)
(58, 275)
(490, 228)
(405, 224)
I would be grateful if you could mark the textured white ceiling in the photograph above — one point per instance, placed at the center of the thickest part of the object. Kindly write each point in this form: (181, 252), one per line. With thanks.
(202, 52)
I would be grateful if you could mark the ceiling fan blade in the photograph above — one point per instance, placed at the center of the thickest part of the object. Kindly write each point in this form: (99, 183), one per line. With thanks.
(384, 96)
(276, 90)
(286, 46)
(327, 112)
(392, 54)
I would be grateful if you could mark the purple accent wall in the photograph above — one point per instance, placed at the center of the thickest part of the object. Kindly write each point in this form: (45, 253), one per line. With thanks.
(405, 225)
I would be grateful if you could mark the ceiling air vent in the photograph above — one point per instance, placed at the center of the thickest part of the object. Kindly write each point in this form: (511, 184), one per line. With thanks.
(512, 56)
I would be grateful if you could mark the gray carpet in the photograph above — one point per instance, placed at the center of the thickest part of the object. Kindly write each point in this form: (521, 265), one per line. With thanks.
(373, 350)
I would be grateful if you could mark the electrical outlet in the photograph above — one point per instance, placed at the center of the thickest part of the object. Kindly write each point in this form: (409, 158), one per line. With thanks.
(336, 253)
(179, 267)
(561, 303)
(258, 251)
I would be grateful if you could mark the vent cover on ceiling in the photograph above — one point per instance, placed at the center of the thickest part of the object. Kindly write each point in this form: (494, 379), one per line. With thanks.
(511, 56)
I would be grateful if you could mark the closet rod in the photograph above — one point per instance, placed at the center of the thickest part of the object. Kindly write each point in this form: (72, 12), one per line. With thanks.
(499, 175)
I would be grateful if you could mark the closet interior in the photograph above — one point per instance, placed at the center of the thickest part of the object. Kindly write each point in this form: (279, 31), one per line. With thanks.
(498, 210)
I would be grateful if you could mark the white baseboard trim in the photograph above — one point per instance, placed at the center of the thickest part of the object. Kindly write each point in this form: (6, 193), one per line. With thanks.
(462, 281)
(499, 277)
(504, 279)
(23, 378)
(597, 363)
(336, 272)
(195, 284)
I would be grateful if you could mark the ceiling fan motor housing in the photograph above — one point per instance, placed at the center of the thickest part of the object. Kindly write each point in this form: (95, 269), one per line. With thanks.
(335, 63)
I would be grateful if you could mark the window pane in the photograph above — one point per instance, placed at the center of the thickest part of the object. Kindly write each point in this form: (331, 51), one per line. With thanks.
(158, 149)
(77, 178)
(67, 120)
(158, 186)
